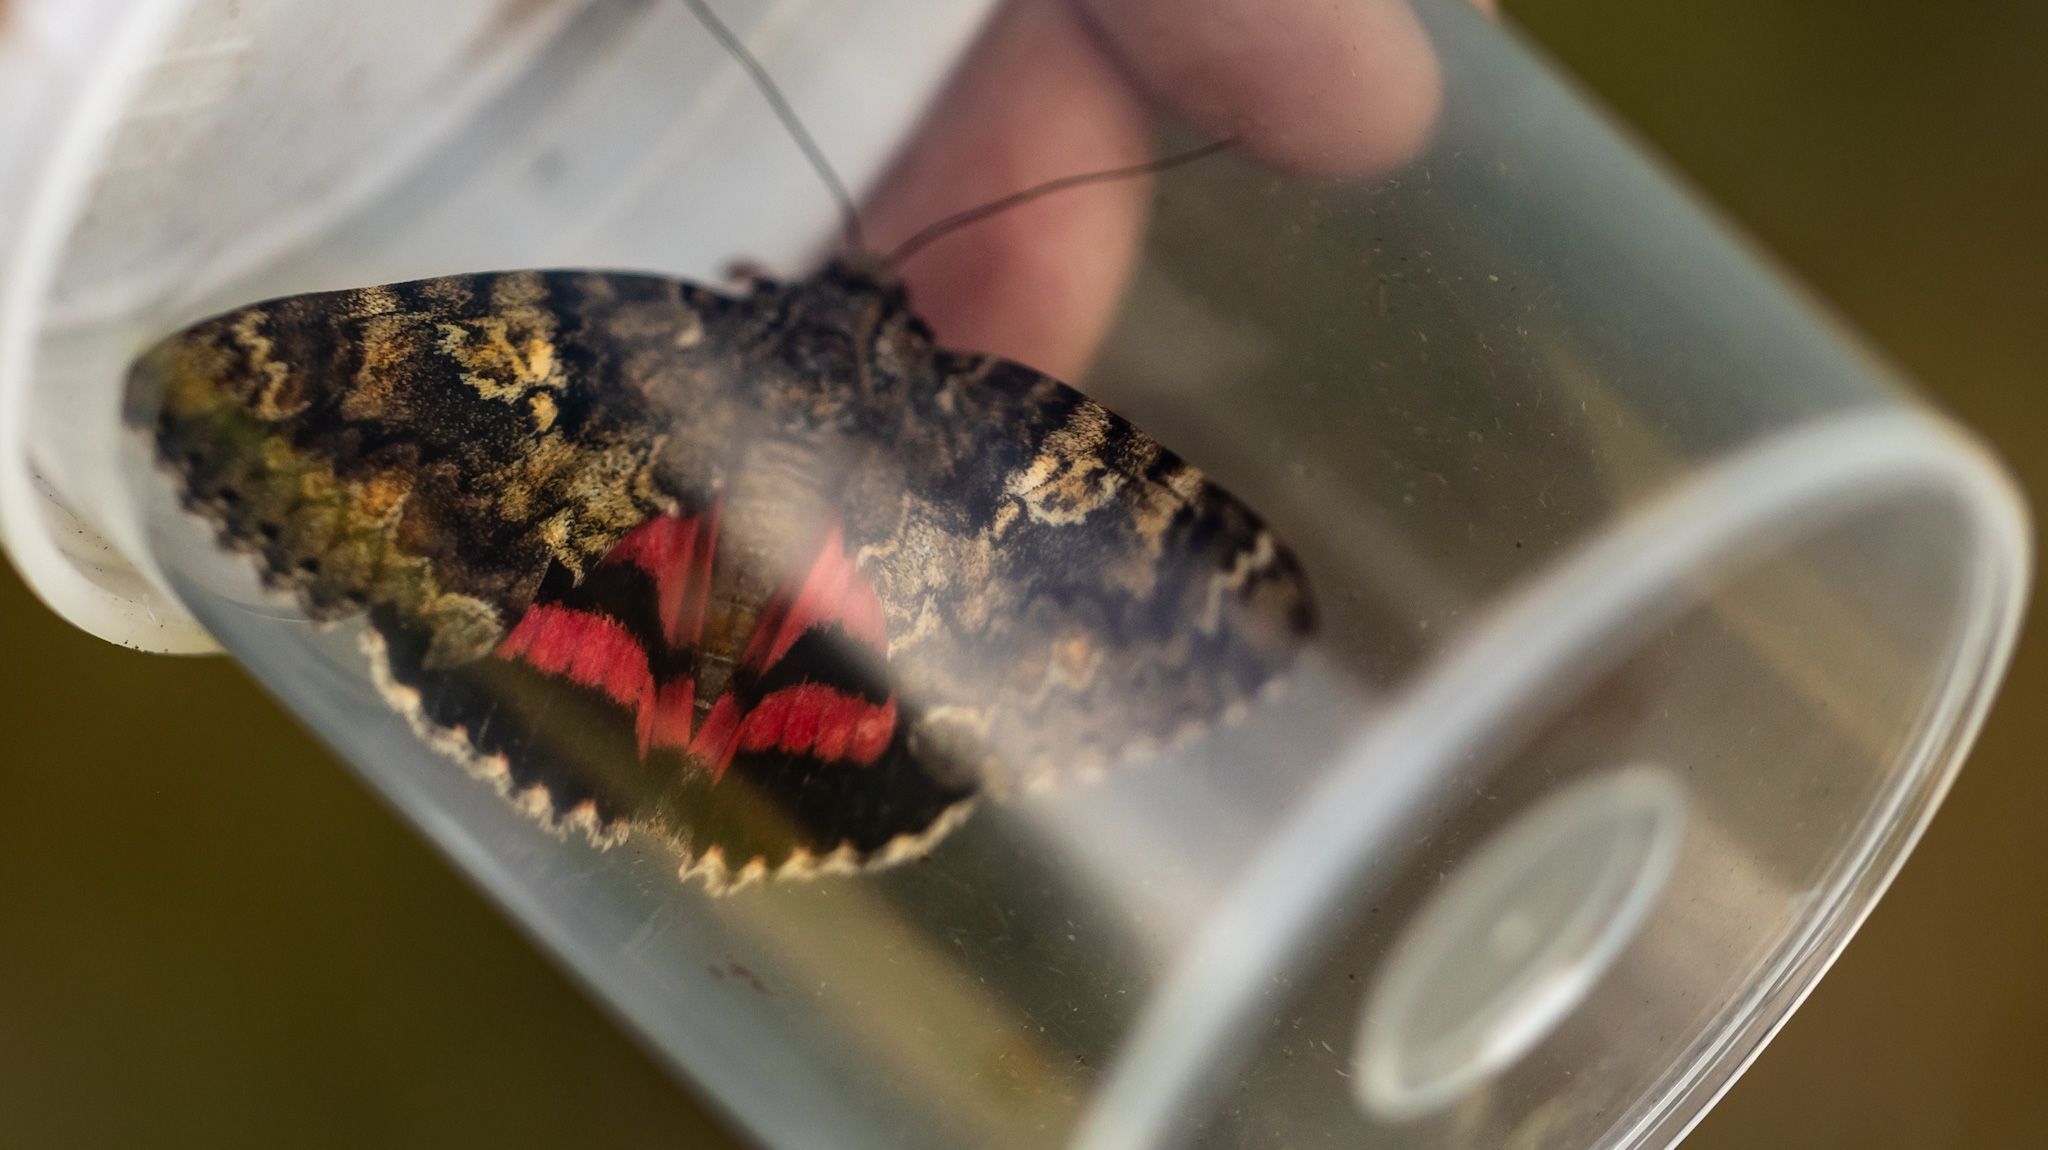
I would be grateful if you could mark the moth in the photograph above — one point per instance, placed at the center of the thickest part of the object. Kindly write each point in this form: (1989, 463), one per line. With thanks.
(768, 576)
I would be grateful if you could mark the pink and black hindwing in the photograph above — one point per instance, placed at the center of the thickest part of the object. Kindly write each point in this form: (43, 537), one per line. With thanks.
(592, 700)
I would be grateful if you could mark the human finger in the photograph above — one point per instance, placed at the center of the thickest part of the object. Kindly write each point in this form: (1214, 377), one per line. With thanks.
(1320, 87)
(1036, 99)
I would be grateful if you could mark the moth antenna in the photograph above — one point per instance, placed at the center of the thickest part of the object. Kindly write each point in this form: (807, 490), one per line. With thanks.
(918, 242)
(849, 216)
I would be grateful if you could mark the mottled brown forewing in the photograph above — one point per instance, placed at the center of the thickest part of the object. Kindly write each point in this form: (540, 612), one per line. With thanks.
(429, 447)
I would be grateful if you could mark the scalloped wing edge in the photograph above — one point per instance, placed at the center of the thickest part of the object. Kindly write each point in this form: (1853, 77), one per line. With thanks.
(710, 866)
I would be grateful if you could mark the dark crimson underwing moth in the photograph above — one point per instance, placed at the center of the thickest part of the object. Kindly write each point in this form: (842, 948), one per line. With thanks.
(769, 577)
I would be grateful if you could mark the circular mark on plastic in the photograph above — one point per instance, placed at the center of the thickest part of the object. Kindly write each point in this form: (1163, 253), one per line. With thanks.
(1514, 941)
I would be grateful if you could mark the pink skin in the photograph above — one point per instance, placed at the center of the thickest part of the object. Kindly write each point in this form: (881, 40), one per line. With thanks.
(1318, 88)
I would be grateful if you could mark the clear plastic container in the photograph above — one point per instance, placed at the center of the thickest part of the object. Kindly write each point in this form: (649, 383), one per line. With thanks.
(1656, 617)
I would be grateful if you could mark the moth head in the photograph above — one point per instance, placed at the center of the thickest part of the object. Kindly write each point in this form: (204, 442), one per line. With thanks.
(864, 278)
(855, 309)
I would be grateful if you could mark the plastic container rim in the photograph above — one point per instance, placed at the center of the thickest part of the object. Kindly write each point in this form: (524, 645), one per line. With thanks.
(54, 203)
(1622, 583)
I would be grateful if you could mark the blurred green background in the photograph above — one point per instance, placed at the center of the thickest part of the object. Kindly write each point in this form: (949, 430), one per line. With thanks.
(211, 934)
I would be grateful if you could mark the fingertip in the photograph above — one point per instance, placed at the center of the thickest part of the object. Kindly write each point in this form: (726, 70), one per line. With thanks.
(1317, 89)
(1036, 100)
